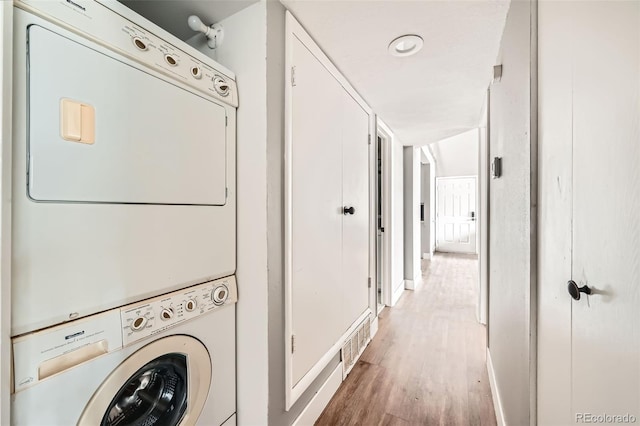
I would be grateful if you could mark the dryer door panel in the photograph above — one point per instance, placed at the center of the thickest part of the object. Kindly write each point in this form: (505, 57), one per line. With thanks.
(102, 131)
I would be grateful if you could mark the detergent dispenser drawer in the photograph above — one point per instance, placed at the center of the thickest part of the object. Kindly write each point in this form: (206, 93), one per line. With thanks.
(105, 130)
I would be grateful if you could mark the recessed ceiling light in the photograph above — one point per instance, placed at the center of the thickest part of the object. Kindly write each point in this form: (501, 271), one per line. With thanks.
(406, 45)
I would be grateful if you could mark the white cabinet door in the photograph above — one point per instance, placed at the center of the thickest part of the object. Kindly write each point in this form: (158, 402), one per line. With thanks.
(589, 349)
(456, 220)
(355, 228)
(316, 211)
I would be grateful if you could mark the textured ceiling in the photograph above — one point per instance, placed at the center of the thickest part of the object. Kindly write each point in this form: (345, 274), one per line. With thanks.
(172, 15)
(435, 94)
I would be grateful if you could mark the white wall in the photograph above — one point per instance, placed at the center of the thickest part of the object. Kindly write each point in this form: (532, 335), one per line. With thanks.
(512, 218)
(244, 51)
(395, 220)
(425, 246)
(483, 220)
(412, 227)
(457, 155)
(433, 166)
(6, 23)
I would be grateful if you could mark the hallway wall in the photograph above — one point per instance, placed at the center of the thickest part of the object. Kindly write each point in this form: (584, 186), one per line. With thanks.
(457, 155)
(512, 218)
(397, 220)
(412, 226)
(425, 225)
(394, 216)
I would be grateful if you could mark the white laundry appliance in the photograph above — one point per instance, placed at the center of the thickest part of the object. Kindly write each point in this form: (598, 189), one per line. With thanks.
(123, 162)
(168, 360)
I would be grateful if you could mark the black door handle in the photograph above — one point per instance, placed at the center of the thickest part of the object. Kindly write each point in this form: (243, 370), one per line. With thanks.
(348, 210)
(575, 291)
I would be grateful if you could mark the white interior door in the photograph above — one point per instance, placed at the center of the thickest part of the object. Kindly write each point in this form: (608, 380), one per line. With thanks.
(316, 212)
(355, 194)
(589, 349)
(606, 204)
(456, 214)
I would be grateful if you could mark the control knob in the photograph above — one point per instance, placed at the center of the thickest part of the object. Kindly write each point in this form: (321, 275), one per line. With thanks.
(220, 294)
(221, 86)
(138, 323)
(141, 45)
(166, 314)
(190, 305)
(196, 72)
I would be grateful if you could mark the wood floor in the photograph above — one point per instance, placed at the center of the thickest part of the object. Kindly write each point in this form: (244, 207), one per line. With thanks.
(426, 365)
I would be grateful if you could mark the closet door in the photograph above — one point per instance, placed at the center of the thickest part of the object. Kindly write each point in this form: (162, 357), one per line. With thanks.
(606, 207)
(315, 211)
(355, 194)
(589, 349)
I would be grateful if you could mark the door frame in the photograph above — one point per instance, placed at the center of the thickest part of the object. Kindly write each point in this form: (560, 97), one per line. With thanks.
(438, 179)
(6, 105)
(293, 391)
(385, 268)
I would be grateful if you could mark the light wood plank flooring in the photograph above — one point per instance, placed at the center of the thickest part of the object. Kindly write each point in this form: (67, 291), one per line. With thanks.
(426, 365)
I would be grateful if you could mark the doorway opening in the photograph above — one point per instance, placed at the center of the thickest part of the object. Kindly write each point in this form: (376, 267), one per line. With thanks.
(456, 214)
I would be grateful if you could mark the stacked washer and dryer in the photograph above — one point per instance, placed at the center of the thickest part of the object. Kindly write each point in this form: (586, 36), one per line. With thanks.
(123, 222)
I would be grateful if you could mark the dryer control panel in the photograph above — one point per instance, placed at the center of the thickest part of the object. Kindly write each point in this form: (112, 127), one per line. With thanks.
(119, 29)
(153, 316)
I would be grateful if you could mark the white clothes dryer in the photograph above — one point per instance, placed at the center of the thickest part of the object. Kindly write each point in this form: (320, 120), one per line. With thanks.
(123, 162)
(165, 361)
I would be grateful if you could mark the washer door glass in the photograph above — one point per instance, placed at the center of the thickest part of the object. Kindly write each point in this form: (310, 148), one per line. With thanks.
(156, 394)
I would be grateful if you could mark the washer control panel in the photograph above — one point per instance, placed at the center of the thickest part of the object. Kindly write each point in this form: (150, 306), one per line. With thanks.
(143, 319)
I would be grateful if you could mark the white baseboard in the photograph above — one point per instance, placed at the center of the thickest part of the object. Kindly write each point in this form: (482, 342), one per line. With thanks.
(413, 284)
(495, 393)
(395, 295)
(374, 327)
(427, 256)
(320, 400)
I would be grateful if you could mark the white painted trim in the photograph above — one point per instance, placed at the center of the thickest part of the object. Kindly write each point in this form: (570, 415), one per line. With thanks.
(288, 310)
(374, 326)
(373, 294)
(427, 256)
(457, 177)
(409, 284)
(320, 400)
(396, 294)
(294, 392)
(6, 106)
(427, 152)
(293, 30)
(495, 393)
(387, 135)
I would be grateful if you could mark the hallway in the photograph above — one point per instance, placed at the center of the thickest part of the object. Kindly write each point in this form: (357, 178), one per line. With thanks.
(426, 365)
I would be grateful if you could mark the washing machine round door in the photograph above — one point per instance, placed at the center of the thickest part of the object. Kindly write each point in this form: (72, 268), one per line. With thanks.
(164, 383)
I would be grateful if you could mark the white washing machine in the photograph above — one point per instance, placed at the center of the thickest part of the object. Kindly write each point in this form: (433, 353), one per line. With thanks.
(123, 162)
(165, 361)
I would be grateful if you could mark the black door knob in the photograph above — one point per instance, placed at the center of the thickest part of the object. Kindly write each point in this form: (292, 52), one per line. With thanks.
(348, 210)
(575, 291)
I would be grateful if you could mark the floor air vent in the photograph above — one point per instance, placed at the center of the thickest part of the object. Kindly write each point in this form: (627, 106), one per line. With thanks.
(355, 344)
